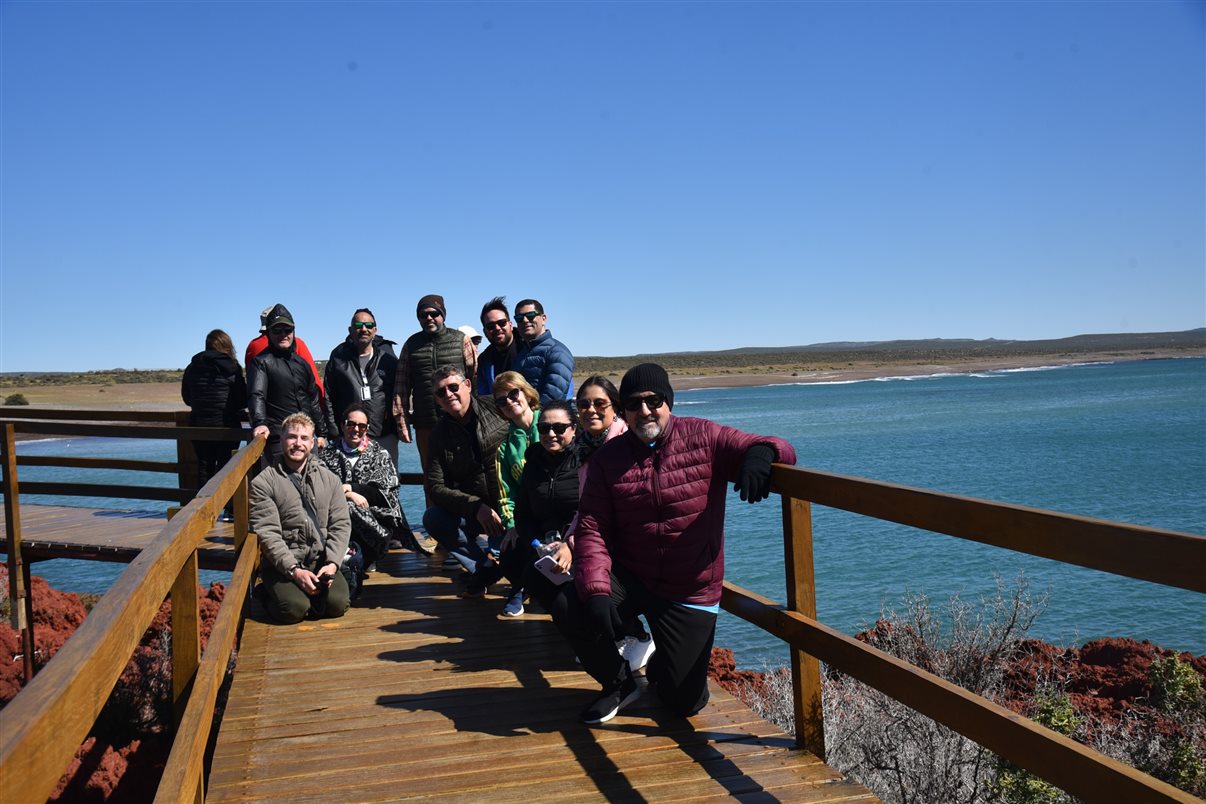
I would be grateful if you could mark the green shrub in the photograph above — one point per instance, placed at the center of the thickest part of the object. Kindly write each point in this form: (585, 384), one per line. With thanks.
(1175, 685)
(16, 399)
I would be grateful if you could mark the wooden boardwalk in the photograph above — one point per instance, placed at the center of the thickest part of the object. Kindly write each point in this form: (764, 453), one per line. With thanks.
(416, 693)
(58, 531)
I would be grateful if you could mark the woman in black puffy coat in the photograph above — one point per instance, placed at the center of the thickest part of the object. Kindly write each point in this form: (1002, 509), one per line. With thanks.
(213, 386)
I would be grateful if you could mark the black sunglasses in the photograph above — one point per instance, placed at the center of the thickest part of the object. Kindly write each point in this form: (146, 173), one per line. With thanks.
(364, 325)
(430, 314)
(451, 389)
(510, 396)
(351, 425)
(556, 427)
(530, 315)
(493, 325)
(653, 401)
(598, 404)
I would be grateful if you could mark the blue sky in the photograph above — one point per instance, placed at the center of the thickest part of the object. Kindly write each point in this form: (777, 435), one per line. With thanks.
(663, 176)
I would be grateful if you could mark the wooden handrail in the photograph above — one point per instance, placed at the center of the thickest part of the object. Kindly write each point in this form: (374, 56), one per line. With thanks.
(165, 493)
(41, 728)
(1149, 554)
(182, 777)
(165, 432)
(1066, 763)
(124, 464)
(90, 414)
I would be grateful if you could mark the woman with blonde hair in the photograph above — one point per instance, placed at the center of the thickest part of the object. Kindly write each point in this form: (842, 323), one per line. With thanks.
(518, 401)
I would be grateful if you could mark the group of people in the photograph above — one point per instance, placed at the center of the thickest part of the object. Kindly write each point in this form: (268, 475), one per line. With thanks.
(598, 504)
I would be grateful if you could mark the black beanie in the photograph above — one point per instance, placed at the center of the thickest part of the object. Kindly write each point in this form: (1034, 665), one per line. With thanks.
(647, 377)
(433, 300)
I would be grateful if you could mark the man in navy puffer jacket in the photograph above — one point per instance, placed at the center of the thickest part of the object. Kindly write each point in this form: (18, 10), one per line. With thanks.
(544, 361)
(650, 540)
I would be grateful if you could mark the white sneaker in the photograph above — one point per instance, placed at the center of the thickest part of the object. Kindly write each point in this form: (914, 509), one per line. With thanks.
(636, 651)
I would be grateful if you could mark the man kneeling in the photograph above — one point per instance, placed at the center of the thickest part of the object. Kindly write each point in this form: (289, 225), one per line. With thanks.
(299, 514)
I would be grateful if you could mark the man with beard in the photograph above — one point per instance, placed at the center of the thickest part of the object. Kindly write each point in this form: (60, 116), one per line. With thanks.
(650, 540)
(496, 358)
(279, 382)
(434, 345)
(362, 369)
(299, 514)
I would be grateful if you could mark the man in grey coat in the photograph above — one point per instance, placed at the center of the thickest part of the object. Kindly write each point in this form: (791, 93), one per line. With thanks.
(298, 512)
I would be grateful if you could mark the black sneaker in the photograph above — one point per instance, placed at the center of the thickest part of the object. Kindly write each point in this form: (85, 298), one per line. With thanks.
(607, 705)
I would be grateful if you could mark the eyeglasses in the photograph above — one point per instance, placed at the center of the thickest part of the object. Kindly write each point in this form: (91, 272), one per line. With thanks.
(653, 401)
(544, 428)
(364, 325)
(598, 404)
(510, 396)
(530, 315)
(351, 425)
(430, 314)
(451, 389)
(281, 330)
(489, 326)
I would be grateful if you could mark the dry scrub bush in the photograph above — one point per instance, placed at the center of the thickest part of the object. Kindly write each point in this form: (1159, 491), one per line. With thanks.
(899, 754)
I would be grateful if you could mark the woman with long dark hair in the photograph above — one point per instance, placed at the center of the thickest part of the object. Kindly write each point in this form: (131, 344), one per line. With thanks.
(214, 388)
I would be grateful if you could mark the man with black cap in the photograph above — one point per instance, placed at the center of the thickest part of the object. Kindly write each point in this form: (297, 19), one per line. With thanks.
(434, 345)
(280, 382)
(650, 540)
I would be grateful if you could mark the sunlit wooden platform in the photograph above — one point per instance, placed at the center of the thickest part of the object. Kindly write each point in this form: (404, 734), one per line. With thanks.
(416, 693)
(98, 534)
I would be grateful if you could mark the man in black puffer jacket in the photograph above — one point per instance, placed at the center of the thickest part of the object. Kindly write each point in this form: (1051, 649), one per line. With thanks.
(362, 369)
(280, 383)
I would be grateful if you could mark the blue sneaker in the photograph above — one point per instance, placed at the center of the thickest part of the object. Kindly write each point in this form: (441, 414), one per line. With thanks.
(514, 606)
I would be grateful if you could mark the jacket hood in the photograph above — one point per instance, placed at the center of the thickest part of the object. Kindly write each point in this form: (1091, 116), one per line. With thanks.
(219, 360)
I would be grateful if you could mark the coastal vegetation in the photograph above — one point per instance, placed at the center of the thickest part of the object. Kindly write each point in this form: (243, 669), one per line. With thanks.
(1132, 701)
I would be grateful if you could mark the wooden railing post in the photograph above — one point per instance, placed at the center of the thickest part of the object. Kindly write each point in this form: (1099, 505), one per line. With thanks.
(186, 456)
(802, 598)
(186, 635)
(20, 604)
(242, 513)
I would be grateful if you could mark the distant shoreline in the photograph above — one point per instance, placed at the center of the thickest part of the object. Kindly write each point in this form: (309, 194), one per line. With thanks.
(166, 395)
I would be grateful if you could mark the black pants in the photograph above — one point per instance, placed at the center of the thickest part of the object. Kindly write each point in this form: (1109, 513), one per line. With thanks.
(211, 457)
(678, 669)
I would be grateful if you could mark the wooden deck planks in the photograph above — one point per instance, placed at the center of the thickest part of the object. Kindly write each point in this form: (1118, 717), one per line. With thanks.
(58, 531)
(417, 693)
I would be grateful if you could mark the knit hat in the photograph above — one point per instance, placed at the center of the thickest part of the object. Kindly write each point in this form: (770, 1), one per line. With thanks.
(279, 314)
(432, 300)
(647, 377)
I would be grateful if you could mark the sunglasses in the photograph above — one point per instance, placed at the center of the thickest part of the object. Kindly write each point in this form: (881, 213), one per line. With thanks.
(598, 404)
(430, 314)
(653, 401)
(530, 315)
(451, 389)
(364, 325)
(510, 396)
(490, 326)
(281, 330)
(544, 428)
(351, 425)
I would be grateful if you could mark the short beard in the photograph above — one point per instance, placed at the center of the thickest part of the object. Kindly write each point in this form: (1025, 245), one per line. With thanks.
(649, 431)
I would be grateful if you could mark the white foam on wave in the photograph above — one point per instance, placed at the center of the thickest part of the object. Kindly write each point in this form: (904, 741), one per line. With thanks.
(1053, 368)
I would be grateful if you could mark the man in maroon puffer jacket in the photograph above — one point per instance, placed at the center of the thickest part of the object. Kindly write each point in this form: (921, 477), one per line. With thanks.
(650, 540)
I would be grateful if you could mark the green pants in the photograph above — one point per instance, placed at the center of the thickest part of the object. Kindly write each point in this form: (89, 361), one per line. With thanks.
(287, 603)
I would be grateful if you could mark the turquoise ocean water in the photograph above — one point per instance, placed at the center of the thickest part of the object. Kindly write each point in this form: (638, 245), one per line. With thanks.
(1123, 441)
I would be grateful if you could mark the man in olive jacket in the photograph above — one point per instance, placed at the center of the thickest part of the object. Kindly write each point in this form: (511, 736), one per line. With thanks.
(462, 473)
(298, 512)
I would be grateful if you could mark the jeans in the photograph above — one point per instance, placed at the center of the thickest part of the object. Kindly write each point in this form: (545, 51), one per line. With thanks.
(456, 534)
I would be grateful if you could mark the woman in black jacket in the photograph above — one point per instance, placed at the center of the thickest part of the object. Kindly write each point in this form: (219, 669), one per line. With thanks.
(213, 386)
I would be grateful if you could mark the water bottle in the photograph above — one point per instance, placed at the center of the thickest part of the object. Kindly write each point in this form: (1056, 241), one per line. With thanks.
(548, 545)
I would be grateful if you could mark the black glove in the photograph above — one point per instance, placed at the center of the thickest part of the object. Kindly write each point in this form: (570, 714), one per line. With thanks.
(753, 481)
(602, 616)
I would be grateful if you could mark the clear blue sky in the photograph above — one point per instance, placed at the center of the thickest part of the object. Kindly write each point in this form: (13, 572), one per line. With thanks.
(663, 176)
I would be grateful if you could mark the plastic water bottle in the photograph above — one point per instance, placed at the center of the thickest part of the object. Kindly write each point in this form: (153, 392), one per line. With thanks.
(548, 545)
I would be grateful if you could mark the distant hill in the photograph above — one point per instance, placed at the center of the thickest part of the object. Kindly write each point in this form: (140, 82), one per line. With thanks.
(932, 350)
(841, 353)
